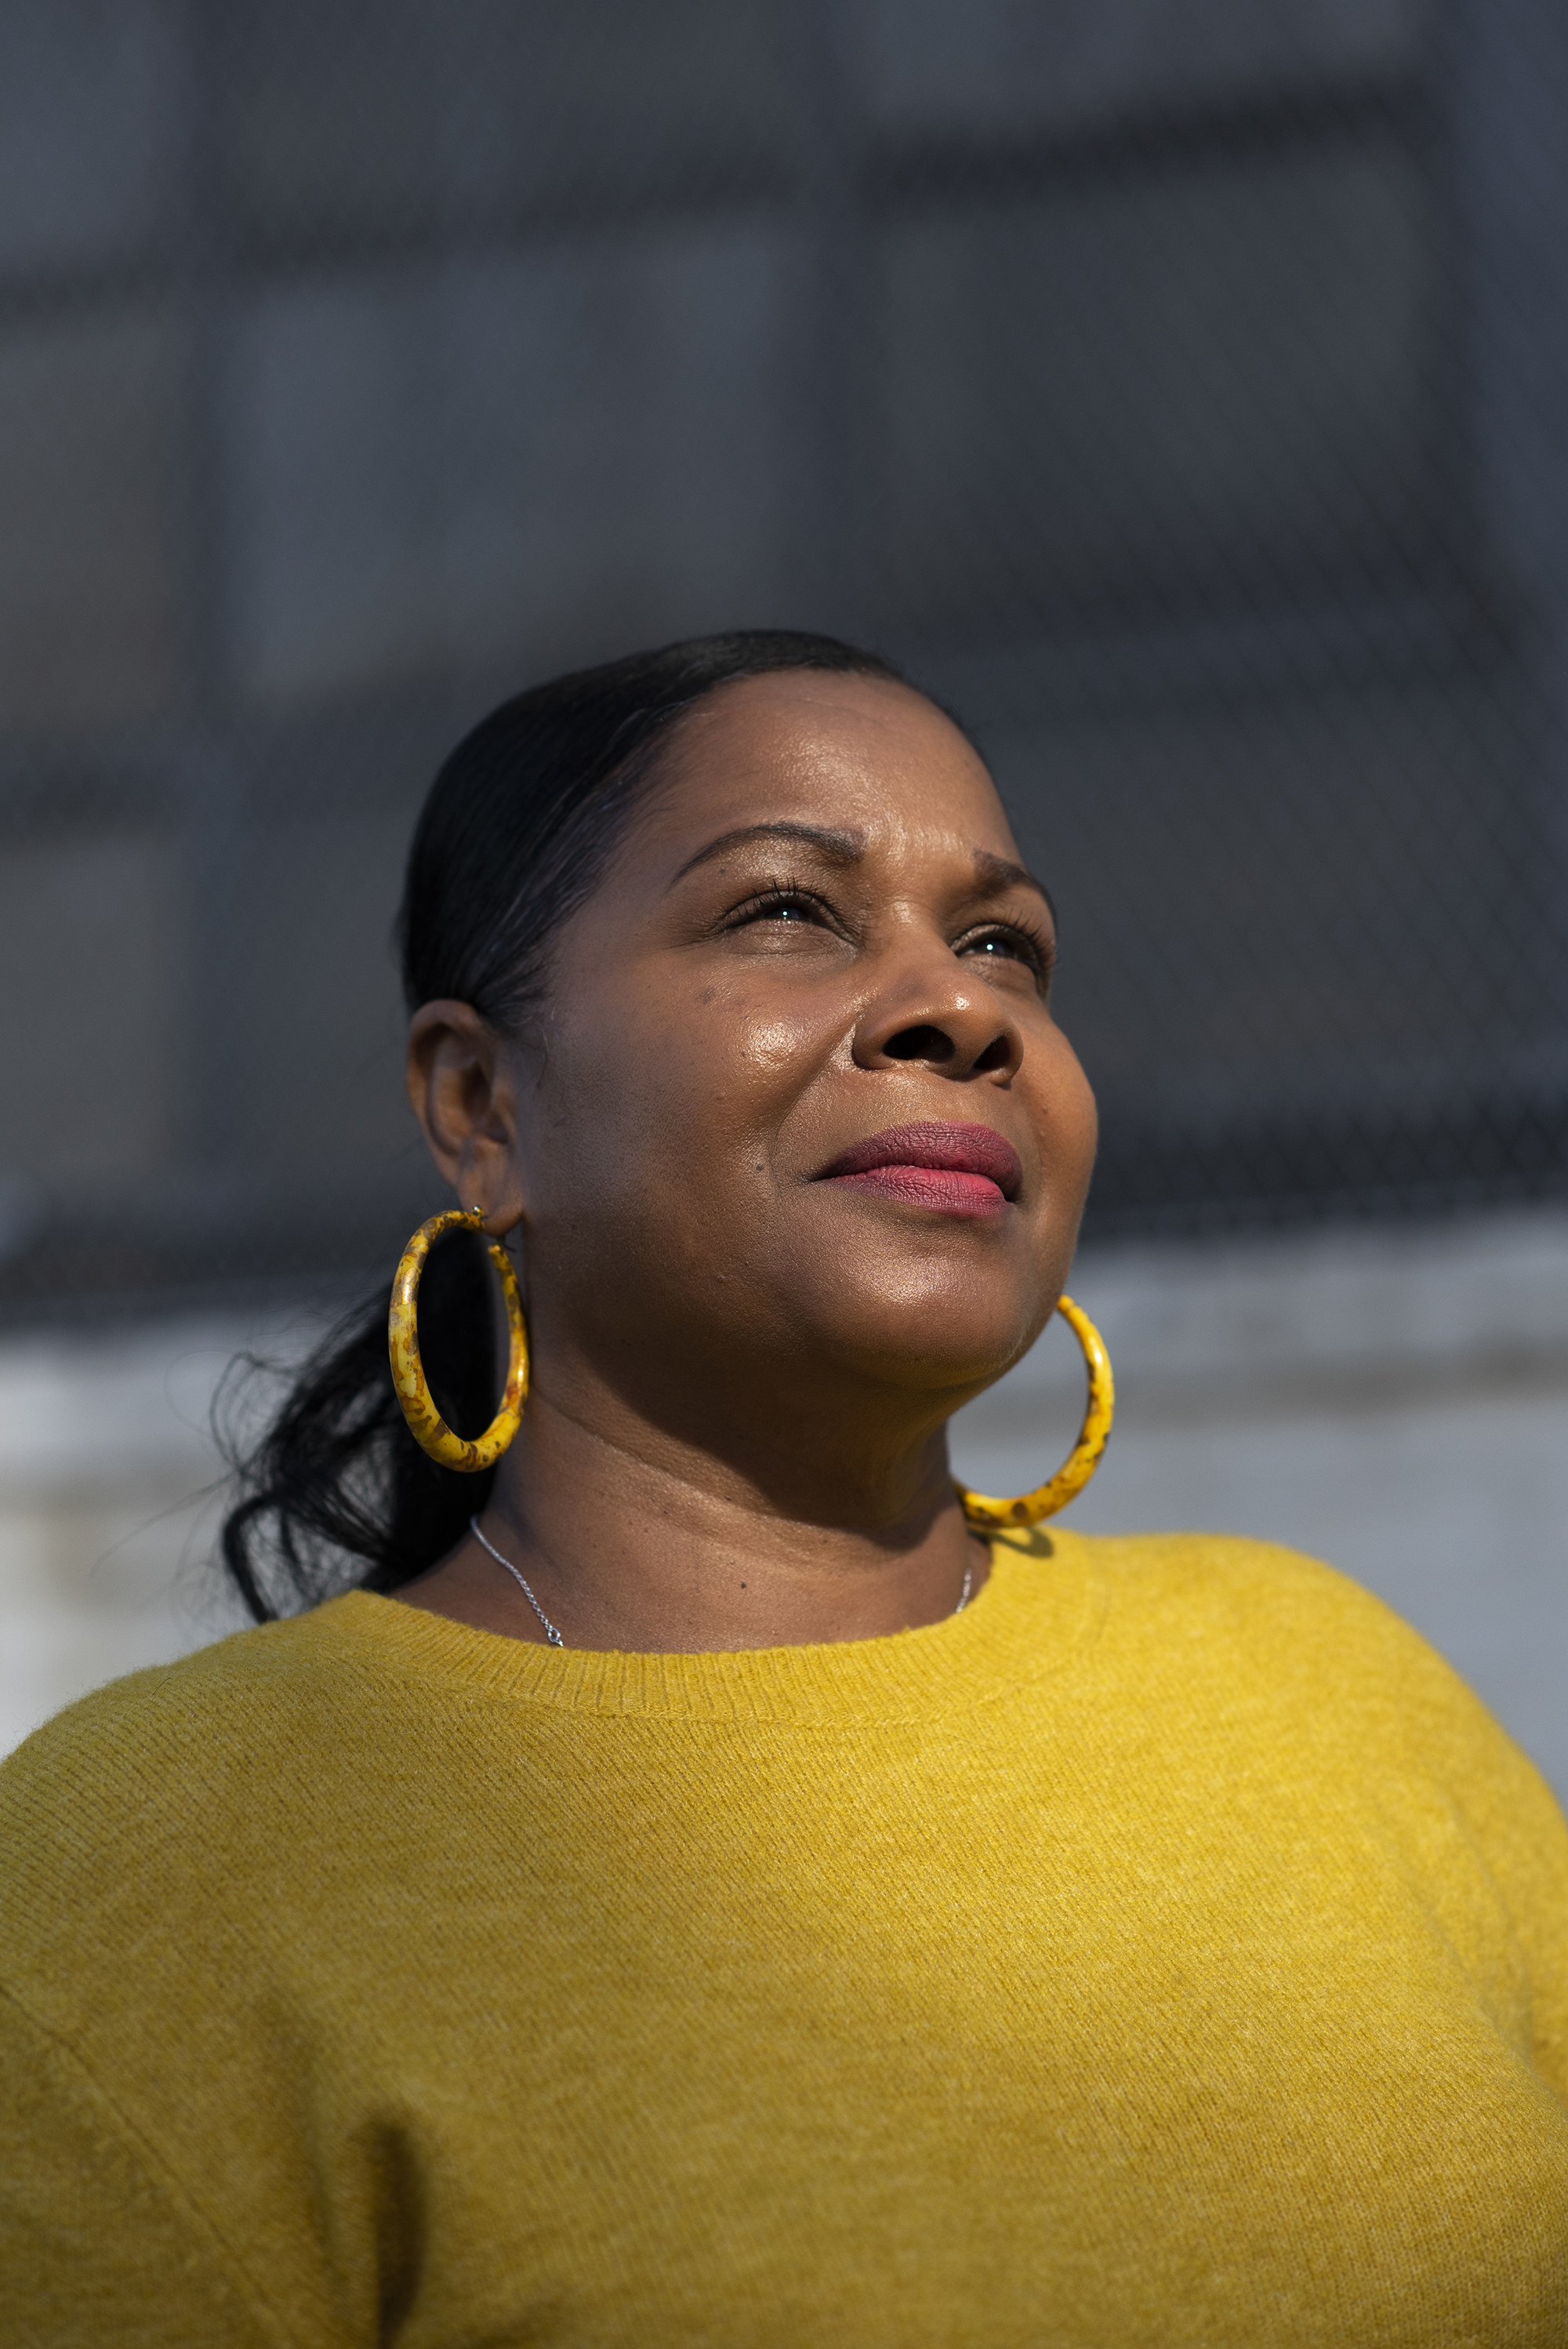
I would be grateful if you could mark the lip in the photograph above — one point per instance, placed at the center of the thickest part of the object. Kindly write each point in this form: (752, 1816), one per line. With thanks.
(956, 1169)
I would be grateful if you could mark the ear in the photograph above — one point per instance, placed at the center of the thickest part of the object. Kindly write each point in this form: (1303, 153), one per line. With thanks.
(462, 1088)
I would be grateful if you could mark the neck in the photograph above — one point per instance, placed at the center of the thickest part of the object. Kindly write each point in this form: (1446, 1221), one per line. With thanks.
(633, 1538)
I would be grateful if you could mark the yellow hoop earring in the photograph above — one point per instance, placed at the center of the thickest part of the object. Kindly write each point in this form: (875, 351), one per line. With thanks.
(426, 1426)
(988, 1516)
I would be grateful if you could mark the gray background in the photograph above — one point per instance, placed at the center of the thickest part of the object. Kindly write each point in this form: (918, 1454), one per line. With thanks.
(1178, 385)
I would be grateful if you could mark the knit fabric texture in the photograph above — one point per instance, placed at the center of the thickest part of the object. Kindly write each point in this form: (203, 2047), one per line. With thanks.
(1166, 1951)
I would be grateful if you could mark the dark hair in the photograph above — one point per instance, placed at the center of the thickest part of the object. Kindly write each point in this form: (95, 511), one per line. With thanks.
(517, 831)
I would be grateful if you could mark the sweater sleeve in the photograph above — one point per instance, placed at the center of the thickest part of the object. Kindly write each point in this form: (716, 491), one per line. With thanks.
(1524, 1838)
(96, 2244)
(1512, 1816)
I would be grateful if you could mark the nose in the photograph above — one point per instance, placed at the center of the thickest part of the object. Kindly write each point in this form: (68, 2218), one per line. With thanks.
(949, 1022)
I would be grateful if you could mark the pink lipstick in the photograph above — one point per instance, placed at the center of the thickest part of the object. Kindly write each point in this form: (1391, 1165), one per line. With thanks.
(958, 1170)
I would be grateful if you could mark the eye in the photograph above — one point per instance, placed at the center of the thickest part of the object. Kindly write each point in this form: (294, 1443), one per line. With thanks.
(1008, 945)
(783, 901)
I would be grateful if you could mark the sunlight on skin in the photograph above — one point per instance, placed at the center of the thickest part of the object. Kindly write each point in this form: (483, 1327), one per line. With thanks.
(816, 930)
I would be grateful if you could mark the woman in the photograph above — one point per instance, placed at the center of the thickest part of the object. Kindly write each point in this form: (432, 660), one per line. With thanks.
(714, 1896)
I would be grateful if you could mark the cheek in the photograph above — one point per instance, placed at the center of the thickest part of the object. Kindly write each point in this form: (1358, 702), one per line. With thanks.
(642, 1094)
(1065, 1100)
(772, 1053)
(1078, 1111)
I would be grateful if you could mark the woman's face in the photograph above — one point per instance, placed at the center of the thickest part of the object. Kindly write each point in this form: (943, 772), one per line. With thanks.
(801, 1105)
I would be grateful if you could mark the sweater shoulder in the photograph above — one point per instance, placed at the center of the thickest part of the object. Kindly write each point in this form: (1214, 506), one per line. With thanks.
(1254, 1591)
(162, 1773)
(214, 1695)
(1298, 1639)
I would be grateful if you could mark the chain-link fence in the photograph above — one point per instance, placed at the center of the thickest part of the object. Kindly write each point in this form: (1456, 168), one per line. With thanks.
(1180, 386)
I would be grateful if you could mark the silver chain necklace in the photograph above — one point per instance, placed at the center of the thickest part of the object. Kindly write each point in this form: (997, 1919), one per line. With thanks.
(550, 1633)
(554, 1636)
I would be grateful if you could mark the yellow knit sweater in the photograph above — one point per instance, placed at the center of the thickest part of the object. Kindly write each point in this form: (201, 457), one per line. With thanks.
(1166, 1951)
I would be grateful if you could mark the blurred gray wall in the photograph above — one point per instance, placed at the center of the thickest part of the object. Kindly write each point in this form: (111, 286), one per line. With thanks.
(1179, 385)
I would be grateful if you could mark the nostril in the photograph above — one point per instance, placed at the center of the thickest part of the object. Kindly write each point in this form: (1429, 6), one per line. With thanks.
(998, 1054)
(919, 1044)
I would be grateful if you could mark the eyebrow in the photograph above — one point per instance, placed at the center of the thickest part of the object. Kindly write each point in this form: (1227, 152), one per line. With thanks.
(999, 872)
(996, 874)
(838, 847)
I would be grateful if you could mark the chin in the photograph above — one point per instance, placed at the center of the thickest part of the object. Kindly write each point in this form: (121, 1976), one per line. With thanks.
(932, 1335)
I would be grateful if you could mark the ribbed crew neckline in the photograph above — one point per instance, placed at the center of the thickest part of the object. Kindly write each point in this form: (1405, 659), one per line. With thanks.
(1038, 1607)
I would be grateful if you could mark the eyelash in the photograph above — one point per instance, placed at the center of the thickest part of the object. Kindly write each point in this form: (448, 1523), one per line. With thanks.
(776, 894)
(1038, 947)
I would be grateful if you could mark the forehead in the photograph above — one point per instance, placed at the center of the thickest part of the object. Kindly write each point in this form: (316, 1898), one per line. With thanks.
(851, 752)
